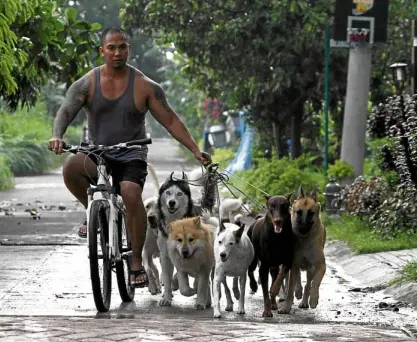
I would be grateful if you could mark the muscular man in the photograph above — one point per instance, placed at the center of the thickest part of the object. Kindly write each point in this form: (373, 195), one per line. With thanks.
(116, 97)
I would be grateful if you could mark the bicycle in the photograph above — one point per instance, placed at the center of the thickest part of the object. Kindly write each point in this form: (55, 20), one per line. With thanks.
(106, 219)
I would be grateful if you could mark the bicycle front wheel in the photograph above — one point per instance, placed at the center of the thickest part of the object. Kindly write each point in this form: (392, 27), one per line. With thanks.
(126, 290)
(100, 260)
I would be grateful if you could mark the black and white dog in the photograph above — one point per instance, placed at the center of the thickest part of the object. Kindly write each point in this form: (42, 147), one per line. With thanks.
(174, 203)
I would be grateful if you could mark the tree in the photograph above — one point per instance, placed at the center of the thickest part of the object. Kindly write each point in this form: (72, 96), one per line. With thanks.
(49, 43)
(268, 55)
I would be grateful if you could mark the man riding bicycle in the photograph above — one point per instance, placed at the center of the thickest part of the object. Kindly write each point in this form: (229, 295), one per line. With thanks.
(116, 97)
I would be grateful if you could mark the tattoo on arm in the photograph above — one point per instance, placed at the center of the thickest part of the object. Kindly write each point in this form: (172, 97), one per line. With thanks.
(160, 96)
(74, 100)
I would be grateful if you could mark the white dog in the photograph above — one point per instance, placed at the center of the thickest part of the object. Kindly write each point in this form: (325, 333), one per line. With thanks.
(233, 253)
(150, 247)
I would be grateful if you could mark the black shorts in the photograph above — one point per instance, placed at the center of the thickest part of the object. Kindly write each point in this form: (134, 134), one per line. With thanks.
(134, 170)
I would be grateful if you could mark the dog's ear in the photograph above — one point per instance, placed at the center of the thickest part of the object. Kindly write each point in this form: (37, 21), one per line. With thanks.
(171, 177)
(314, 194)
(238, 233)
(197, 221)
(289, 197)
(267, 197)
(300, 193)
(184, 176)
(222, 227)
(169, 228)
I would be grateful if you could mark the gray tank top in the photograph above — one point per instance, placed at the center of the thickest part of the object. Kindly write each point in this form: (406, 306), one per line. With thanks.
(113, 121)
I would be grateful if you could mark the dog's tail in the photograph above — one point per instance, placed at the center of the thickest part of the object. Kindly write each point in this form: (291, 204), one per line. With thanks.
(154, 178)
(227, 209)
(208, 219)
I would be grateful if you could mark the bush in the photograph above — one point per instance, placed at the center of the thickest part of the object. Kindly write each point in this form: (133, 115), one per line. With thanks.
(6, 176)
(397, 214)
(23, 140)
(281, 177)
(340, 170)
(363, 197)
(223, 156)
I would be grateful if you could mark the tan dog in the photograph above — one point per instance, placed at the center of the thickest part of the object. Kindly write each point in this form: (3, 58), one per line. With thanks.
(308, 254)
(190, 248)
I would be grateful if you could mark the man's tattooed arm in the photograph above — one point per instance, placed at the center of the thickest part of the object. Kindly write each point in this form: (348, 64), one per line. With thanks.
(160, 96)
(75, 98)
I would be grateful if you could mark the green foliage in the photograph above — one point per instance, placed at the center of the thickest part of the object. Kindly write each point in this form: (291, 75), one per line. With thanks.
(340, 170)
(23, 140)
(6, 175)
(397, 214)
(47, 42)
(407, 273)
(223, 156)
(359, 235)
(241, 52)
(281, 177)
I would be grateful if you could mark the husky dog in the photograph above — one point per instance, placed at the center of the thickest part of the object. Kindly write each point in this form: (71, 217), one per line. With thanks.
(190, 248)
(150, 247)
(174, 203)
(233, 253)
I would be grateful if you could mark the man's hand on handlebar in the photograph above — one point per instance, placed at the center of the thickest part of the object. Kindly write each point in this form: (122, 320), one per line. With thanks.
(56, 145)
(203, 157)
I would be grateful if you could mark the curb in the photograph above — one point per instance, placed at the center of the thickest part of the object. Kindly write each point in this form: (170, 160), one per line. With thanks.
(373, 271)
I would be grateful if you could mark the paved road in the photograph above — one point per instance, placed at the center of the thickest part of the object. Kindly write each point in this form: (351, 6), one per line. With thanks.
(45, 291)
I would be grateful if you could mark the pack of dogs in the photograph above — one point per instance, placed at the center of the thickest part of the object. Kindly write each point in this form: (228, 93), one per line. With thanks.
(286, 239)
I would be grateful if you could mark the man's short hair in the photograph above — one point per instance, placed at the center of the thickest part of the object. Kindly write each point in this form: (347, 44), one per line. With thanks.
(112, 30)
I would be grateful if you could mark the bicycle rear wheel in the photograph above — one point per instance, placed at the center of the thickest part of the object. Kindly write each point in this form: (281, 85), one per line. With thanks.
(98, 237)
(126, 291)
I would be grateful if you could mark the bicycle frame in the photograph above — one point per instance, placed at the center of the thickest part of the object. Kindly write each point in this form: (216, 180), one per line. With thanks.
(106, 193)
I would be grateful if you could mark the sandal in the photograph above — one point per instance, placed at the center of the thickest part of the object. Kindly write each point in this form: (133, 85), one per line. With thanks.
(136, 283)
(82, 231)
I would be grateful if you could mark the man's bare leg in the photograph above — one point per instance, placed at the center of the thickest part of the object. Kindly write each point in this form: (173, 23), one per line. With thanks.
(136, 226)
(76, 177)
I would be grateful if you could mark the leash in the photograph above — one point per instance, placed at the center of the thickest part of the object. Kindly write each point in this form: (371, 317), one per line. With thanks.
(212, 178)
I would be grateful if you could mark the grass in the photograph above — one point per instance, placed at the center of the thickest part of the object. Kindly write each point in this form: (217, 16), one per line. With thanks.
(408, 273)
(357, 234)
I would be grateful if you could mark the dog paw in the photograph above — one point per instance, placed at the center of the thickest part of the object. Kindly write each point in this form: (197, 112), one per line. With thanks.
(165, 302)
(314, 298)
(303, 305)
(217, 315)
(188, 292)
(267, 313)
(299, 293)
(229, 307)
(199, 306)
(253, 286)
(285, 309)
(241, 311)
(153, 289)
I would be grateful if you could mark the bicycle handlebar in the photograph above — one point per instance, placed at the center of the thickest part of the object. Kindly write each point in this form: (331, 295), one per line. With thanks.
(89, 147)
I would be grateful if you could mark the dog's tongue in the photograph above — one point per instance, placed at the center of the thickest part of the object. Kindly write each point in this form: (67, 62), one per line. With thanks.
(277, 228)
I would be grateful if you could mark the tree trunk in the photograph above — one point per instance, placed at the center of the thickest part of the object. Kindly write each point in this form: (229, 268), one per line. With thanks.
(296, 121)
(279, 147)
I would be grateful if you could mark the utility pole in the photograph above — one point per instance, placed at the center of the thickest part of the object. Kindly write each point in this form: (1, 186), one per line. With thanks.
(326, 97)
(356, 103)
(414, 57)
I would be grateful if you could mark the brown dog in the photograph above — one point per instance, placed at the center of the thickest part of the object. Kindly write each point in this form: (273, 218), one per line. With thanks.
(273, 241)
(308, 253)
